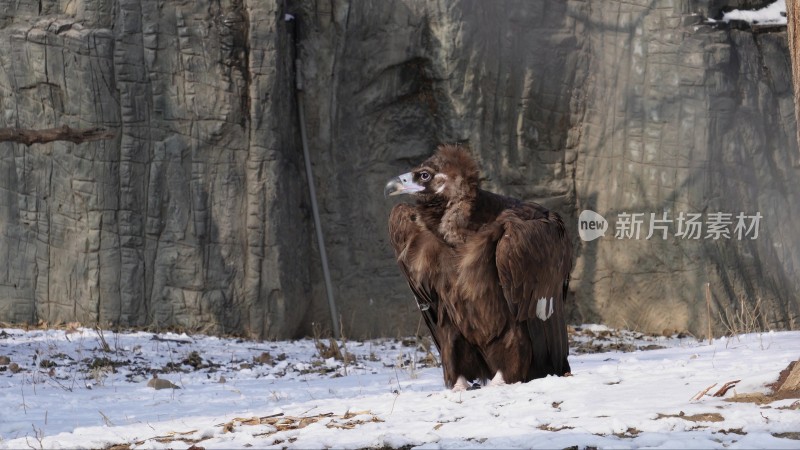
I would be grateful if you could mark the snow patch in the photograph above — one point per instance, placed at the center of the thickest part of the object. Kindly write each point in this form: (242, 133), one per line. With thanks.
(772, 14)
(390, 394)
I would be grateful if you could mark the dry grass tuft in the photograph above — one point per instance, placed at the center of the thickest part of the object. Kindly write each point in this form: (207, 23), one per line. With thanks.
(703, 417)
(743, 319)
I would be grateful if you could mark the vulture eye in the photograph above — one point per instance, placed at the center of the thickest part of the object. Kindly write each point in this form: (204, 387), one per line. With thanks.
(424, 175)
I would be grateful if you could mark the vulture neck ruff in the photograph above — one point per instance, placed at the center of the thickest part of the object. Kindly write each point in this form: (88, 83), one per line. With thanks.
(454, 226)
(449, 215)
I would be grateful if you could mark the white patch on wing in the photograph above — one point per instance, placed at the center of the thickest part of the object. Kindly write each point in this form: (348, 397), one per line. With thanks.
(544, 308)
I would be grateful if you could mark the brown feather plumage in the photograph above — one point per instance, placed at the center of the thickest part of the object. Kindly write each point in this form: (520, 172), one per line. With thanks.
(489, 272)
(429, 264)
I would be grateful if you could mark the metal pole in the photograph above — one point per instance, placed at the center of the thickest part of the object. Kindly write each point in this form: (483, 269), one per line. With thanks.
(314, 207)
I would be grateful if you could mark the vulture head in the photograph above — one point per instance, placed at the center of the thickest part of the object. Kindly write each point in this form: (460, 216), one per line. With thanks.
(450, 174)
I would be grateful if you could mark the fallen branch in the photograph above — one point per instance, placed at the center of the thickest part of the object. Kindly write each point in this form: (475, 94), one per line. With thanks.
(719, 392)
(725, 388)
(700, 394)
(160, 339)
(63, 133)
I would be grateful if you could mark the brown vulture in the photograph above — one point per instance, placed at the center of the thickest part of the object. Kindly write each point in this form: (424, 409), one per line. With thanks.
(490, 273)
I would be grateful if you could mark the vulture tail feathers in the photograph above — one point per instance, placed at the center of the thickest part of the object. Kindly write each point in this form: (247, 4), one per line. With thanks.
(550, 342)
(533, 261)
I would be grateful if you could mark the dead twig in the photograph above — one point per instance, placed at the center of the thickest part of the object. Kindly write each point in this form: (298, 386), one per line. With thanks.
(744, 319)
(344, 344)
(103, 343)
(708, 313)
(106, 420)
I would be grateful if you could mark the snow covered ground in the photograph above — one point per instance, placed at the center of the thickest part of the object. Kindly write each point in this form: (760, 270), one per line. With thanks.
(60, 389)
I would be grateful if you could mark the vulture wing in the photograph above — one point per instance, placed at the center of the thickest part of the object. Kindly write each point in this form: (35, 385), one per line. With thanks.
(404, 236)
(428, 265)
(534, 259)
(427, 299)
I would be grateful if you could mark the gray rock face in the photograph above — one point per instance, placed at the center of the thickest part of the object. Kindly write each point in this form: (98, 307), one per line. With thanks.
(194, 217)
(634, 107)
(197, 215)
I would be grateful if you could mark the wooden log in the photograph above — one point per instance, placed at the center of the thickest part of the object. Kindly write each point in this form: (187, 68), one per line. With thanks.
(789, 379)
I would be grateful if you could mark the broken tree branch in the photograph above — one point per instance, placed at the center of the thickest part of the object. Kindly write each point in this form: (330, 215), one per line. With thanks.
(63, 133)
(700, 394)
(725, 388)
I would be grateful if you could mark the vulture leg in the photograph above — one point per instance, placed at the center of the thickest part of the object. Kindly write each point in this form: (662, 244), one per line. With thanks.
(460, 359)
(511, 353)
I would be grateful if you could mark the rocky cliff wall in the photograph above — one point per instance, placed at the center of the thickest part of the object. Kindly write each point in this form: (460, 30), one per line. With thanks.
(619, 107)
(197, 214)
(194, 216)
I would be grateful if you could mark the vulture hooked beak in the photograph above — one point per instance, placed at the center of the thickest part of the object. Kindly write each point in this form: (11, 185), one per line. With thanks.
(402, 184)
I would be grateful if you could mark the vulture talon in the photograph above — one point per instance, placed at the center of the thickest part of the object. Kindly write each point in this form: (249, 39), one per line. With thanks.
(497, 380)
(461, 385)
